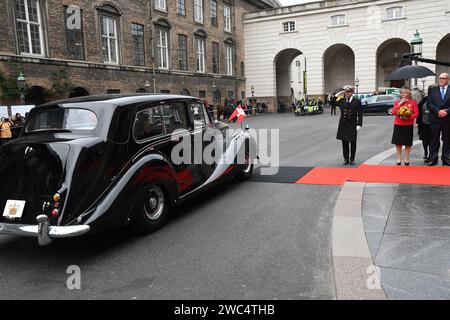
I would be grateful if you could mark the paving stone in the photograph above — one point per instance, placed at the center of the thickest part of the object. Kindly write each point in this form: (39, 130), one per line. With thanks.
(353, 279)
(374, 242)
(423, 191)
(352, 191)
(349, 239)
(380, 189)
(422, 217)
(375, 211)
(407, 285)
(347, 208)
(424, 255)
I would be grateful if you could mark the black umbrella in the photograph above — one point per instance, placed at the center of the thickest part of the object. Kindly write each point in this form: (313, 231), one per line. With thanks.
(409, 72)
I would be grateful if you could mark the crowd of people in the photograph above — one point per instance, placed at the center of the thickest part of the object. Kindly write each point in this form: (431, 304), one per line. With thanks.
(8, 126)
(431, 114)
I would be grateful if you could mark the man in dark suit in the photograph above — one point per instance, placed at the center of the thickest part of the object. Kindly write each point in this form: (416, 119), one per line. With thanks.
(439, 105)
(350, 122)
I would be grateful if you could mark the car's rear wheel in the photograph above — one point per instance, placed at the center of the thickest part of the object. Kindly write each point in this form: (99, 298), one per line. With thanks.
(150, 210)
(389, 111)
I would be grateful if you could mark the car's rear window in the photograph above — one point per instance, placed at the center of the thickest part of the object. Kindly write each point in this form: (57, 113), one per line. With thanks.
(77, 120)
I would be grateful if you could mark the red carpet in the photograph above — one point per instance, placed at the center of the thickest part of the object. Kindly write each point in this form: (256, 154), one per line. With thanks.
(379, 174)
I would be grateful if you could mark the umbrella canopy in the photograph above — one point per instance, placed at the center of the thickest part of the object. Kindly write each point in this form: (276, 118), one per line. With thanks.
(409, 72)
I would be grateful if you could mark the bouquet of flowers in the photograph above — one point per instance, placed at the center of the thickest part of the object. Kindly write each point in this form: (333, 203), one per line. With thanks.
(404, 112)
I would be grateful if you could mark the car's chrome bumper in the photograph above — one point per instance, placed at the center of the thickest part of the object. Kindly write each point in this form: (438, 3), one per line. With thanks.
(43, 231)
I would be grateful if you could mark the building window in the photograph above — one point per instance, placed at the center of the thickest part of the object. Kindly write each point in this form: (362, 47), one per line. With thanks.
(215, 57)
(110, 48)
(162, 49)
(29, 27)
(229, 60)
(242, 69)
(74, 32)
(227, 18)
(198, 11)
(160, 4)
(202, 94)
(138, 44)
(181, 7)
(337, 21)
(289, 26)
(182, 52)
(200, 54)
(394, 13)
(213, 6)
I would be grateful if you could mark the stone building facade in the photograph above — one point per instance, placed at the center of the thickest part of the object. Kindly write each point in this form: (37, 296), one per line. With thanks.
(340, 42)
(112, 46)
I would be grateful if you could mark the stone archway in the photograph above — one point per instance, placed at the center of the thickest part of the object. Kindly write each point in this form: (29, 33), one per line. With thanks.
(78, 92)
(339, 67)
(389, 55)
(283, 62)
(443, 54)
(36, 95)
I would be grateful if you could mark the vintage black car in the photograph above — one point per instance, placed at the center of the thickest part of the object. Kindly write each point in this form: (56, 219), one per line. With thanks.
(96, 163)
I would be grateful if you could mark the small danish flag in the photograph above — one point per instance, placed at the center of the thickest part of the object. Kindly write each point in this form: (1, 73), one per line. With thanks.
(239, 113)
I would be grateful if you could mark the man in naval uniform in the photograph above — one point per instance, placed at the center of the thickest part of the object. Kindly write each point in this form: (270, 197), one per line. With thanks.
(350, 123)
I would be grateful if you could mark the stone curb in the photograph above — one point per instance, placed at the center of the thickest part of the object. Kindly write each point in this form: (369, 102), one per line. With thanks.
(355, 274)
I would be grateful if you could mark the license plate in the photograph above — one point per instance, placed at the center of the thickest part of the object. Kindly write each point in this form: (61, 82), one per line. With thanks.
(14, 209)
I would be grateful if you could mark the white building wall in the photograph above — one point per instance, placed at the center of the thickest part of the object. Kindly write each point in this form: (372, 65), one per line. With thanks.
(366, 30)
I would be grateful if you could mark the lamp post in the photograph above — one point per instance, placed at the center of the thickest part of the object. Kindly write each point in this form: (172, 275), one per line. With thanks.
(22, 85)
(215, 100)
(253, 92)
(416, 48)
(357, 85)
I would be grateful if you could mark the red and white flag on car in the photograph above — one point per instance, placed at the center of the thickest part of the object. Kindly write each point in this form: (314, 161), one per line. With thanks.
(238, 113)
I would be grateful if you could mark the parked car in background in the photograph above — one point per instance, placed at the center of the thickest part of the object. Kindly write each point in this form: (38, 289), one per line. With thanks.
(96, 163)
(363, 95)
(379, 103)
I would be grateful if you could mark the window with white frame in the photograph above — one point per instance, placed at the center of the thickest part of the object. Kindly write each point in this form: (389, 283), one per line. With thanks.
(198, 11)
(288, 26)
(200, 54)
(229, 59)
(29, 27)
(181, 7)
(394, 13)
(227, 18)
(162, 49)
(160, 4)
(110, 46)
(337, 21)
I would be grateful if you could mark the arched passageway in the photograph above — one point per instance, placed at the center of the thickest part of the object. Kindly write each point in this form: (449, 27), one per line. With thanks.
(339, 67)
(389, 55)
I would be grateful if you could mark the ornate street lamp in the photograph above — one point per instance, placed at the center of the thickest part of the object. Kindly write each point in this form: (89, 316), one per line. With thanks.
(357, 85)
(22, 86)
(253, 92)
(147, 86)
(416, 43)
(416, 48)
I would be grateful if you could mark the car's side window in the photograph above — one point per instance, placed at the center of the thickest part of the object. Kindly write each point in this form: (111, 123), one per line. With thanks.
(199, 114)
(175, 117)
(148, 123)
